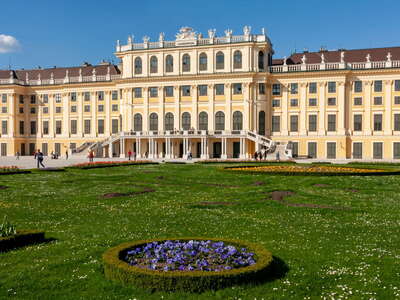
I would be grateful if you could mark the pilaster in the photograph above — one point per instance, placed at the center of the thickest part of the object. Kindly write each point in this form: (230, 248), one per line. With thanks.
(303, 115)
(388, 108)
(321, 105)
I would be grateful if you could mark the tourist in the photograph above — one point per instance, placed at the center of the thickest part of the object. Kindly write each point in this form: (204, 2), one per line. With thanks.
(91, 156)
(66, 154)
(134, 155)
(39, 156)
(146, 154)
(129, 154)
(277, 156)
(255, 155)
(17, 155)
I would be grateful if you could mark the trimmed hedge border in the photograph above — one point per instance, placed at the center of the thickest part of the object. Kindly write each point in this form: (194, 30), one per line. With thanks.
(15, 172)
(21, 239)
(98, 166)
(381, 173)
(116, 269)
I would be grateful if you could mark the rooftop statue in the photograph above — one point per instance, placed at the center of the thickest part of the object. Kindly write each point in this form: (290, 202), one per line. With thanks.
(186, 33)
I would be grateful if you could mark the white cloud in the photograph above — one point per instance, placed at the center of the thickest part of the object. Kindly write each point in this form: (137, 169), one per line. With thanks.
(8, 43)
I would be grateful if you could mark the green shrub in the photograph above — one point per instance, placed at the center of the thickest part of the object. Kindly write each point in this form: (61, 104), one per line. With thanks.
(20, 239)
(116, 269)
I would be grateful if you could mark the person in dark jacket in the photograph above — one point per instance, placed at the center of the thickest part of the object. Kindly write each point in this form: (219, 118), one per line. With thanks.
(40, 157)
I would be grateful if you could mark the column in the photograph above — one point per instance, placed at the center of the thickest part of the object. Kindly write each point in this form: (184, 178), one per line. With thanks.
(195, 112)
(129, 110)
(110, 150)
(247, 107)
(321, 105)
(388, 108)
(202, 148)
(177, 115)
(107, 121)
(122, 147)
(341, 108)
(285, 108)
(211, 113)
(223, 154)
(367, 107)
(303, 116)
(138, 148)
(146, 109)
(93, 111)
(228, 107)
(242, 148)
(161, 108)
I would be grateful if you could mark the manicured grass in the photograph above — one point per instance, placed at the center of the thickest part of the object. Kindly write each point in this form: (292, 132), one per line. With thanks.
(348, 248)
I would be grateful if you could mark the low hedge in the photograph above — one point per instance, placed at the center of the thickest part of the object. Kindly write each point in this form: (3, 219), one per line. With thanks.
(116, 269)
(21, 239)
(107, 164)
(247, 161)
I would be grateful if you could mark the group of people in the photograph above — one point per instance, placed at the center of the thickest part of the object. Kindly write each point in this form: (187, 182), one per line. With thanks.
(131, 155)
(262, 155)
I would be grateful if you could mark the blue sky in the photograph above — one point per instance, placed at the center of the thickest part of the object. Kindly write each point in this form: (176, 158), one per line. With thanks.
(66, 33)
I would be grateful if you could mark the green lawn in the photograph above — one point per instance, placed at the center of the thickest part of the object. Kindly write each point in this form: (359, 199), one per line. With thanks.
(349, 249)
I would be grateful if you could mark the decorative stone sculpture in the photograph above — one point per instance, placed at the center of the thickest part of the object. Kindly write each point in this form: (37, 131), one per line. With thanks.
(211, 33)
(186, 33)
(129, 40)
(322, 58)
(246, 30)
(342, 57)
(118, 44)
(146, 39)
(304, 59)
(368, 57)
(284, 60)
(263, 31)
(228, 33)
(389, 57)
(52, 76)
(161, 37)
(11, 75)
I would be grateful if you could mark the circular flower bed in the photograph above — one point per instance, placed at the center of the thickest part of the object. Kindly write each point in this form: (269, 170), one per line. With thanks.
(186, 264)
(312, 170)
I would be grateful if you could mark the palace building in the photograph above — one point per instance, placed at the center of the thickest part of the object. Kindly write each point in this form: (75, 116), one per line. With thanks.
(213, 97)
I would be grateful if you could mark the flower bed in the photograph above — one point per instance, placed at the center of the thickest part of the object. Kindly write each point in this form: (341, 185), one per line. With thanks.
(236, 161)
(108, 164)
(20, 239)
(186, 264)
(312, 170)
(12, 170)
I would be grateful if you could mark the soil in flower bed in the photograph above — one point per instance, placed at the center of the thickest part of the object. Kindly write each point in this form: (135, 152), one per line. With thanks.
(3, 187)
(258, 183)
(321, 185)
(115, 195)
(353, 190)
(51, 169)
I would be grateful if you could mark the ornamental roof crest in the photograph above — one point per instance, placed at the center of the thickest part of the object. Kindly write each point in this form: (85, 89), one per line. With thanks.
(186, 33)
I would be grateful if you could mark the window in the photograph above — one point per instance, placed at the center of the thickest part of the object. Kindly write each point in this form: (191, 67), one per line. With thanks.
(86, 108)
(276, 123)
(358, 86)
(331, 150)
(186, 121)
(114, 107)
(153, 64)
(114, 95)
(169, 91)
(33, 127)
(312, 149)
(237, 88)
(261, 122)
(45, 110)
(357, 101)
(137, 122)
(33, 99)
(3, 151)
(331, 122)
(169, 121)
(4, 109)
(87, 128)
(294, 88)
(331, 87)
(357, 123)
(153, 92)
(169, 64)
(276, 89)
(153, 122)
(377, 122)
(186, 63)
(72, 97)
(45, 127)
(21, 127)
(294, 123)
(58, 127)
(58, 109)
(331, 101)
(100, 126)
(237, 59)
(219, 89)
(396, 150)
(397, 85)
(73, 108)
(4, 98)
(74, 126)
(203, 121)
(396, 122)
(261, 88)
(219, 61)
(86, 96)
(202, 90)
(357, 150)
(33, 110)
(57, 98)
(46, 98)
(21, 110)
(378, 86)
(312, 102)
(294, 102)
(21, 99)
(261, 60)
(4, 127)
(377, 100)
(114, 126)
(312, 88)
(100, 108)
(312, 123)
(237, 120)
(203, 62)
(295, 149)
(377, 150)
(138, 65)
(276, 103)
(397, 100)
(219, 121)
(185, 90)
(137, 92)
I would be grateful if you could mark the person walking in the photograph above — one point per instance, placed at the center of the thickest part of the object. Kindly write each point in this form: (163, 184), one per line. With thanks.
(39, 156)
(278, 156)
(129, 154)
(66, 154)
(17, 155)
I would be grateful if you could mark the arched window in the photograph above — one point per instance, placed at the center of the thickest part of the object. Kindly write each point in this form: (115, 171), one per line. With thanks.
(186, 63)
(220, 60)
(203, 121)
(237, 120)
(169, 63)
(219, 121)
(137, 122)
(186, 121)
(138, 65)
(237, 59)
(203, 62)
(261, 122)
(261, 60)
(153, 64)
(153, 122)
(169, 121)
